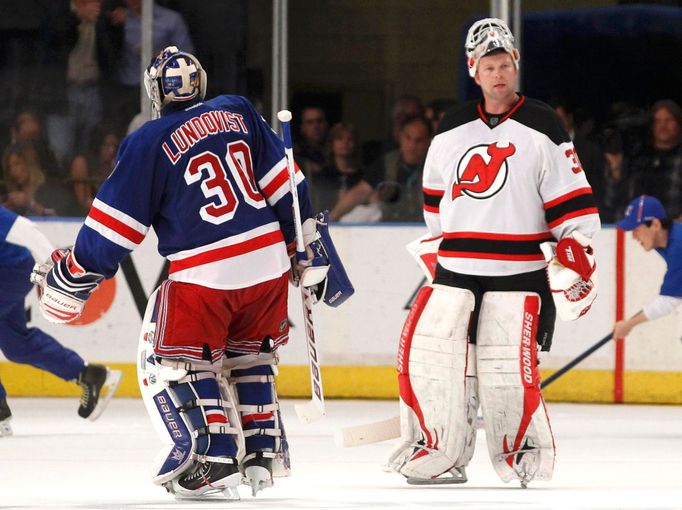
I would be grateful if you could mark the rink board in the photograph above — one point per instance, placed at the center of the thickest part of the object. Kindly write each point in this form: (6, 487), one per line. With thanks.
(358, 341)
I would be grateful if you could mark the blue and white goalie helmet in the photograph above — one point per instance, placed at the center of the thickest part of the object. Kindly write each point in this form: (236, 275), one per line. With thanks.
(174, 76)
(486, 36)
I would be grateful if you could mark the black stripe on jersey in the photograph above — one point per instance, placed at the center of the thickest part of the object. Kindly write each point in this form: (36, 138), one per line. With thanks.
(502, 247)
(432, 200)
(577, 203)
(457, 116)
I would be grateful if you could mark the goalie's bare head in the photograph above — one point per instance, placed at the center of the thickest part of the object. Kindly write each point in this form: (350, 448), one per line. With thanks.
(485, 37)
(174, 79)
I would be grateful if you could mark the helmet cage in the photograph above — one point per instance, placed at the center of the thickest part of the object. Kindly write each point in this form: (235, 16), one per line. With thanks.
(486, 36)
(174, 76)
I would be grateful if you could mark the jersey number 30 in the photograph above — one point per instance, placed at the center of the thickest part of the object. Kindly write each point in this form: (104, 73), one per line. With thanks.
(208, 168)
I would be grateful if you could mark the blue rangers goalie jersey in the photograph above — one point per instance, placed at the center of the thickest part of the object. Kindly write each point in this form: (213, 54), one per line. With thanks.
(212, 181)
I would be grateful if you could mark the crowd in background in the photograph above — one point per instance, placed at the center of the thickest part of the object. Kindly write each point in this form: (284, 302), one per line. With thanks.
(75, 93)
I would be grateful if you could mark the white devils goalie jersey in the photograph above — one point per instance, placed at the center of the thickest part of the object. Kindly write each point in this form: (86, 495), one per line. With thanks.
(495, 188)
(212, 181)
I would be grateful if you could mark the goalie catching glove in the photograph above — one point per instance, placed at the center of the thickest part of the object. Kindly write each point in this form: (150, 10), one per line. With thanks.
(572, 275)
(322, 271)
(63, 286)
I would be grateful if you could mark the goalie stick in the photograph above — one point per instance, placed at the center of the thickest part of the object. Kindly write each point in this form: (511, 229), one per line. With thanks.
(313, 410)
(384, 430)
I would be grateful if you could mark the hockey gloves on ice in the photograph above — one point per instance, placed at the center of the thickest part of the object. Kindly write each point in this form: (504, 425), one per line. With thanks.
(572, 275)
(322, 271)
(64, 286)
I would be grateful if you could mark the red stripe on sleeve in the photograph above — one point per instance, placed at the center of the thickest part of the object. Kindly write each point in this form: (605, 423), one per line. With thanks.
(116, 225)
(574, 214)
(567, 196)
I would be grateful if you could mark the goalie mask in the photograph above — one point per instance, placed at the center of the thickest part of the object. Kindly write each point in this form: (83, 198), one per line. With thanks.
(174, 77)
(486, 36)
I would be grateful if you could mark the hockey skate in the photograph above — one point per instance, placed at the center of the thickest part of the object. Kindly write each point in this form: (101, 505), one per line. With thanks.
(258, 474)
(98, 383)
(5, 418)
(525, 462)
(208, 479)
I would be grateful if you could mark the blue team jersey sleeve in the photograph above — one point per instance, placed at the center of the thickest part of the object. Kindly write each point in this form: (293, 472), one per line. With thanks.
(672, 281)
(124, 206)
(7, 219)
(271, 174)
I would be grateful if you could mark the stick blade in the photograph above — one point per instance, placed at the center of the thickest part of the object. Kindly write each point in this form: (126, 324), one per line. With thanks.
(308, 412)
(368, 433)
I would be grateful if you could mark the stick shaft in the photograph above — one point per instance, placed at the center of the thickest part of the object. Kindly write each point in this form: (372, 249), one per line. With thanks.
(575, 361)
(306, 295)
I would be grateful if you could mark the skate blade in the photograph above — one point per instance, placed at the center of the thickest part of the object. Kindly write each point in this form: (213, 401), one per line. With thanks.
(448, 478)
(108, 389)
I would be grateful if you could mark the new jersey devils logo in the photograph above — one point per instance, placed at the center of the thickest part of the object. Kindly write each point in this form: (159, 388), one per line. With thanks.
(482, 171)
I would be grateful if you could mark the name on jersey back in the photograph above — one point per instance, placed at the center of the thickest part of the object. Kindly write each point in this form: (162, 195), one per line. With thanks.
(199, 127)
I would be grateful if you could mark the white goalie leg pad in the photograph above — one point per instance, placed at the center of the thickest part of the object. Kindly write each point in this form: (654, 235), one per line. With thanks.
(168, 411)
(518, 433)
(434, 387)
(267, 452)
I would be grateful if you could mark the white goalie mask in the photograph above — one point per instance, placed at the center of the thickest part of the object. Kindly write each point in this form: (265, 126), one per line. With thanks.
(486, 36)
(174, 76)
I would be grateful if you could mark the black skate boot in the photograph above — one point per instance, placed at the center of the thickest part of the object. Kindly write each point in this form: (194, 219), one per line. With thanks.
(99, 384)
(209, 477)
(5, 418)
(258, 473)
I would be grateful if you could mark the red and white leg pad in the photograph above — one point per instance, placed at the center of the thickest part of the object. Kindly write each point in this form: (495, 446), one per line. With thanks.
(518, 433)
(437, 386)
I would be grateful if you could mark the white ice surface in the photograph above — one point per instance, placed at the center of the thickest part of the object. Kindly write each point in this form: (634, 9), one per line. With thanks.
(615, 457)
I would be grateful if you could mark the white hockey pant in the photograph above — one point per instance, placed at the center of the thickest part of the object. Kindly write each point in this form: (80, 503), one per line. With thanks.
(192, 410)
(518, 433)
(253, 379)
(437, 379)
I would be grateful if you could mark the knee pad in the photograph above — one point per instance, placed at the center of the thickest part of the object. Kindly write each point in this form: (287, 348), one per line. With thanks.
(518, 433)
(253, 379)
(192, 412)
(437, 383)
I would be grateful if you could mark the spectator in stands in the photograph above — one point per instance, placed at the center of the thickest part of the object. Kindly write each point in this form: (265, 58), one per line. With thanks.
(309, 149)
(123, 32)
(28, 192)
(654, 230)
(435, 110)
(89, 169)
(404, 106)
(658, 170)
(616, 184)
(342, 169)
(590, 154)
(394, 180)
(72, 62)
(28, 127)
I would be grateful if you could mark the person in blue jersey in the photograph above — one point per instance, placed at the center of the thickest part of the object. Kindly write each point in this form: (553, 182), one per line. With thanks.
(20, 244)
(211, 178)
(646, 218)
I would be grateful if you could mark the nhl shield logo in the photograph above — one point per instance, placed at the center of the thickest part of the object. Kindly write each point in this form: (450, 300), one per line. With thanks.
(482, 171)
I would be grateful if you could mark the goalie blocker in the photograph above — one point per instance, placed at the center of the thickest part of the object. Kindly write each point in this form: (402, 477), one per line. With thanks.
(322, 271)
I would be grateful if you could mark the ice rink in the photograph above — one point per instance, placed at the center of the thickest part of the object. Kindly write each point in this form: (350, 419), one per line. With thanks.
(608, 456)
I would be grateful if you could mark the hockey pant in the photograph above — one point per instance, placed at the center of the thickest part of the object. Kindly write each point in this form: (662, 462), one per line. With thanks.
(438, 377)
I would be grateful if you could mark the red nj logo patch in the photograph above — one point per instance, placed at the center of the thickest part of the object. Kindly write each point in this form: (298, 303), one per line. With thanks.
(482, 171)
